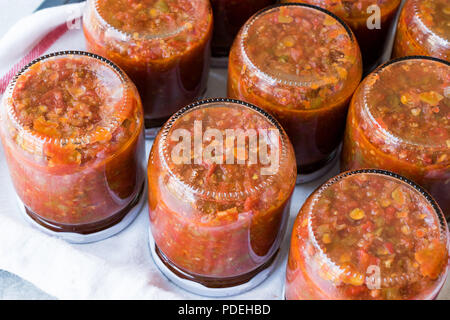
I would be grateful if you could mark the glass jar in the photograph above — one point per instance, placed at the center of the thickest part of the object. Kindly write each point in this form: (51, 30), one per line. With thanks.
(221, 174)
(371, 235)
(72, 132)
(229, 17)
(424, 29)
(305, 79)
(163, 45)
(359, 14)
(399, 121)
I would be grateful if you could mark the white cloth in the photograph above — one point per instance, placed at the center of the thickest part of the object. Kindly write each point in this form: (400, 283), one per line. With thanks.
(121, 266)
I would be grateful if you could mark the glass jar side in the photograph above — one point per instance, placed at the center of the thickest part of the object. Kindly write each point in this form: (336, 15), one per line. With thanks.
(169, 70)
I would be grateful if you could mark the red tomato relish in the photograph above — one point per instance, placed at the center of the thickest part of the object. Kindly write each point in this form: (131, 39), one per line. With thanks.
(357, 13)
(163, 45)
(219, 222)
(353, 12)
(72, 134)
(364, 222)
(399, 120)
(67, 99)
(302, 65)
(424, 29)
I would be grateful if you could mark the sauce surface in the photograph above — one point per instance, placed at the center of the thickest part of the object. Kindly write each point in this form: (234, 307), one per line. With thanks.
(148, 17)
(350, 9)
(363, 220)
(411, 101)
(67, 98)
(224, 178)
(226, 189)
(301, 65)
(408, 105)
(78, 103)
(229, 17)
(435, 14)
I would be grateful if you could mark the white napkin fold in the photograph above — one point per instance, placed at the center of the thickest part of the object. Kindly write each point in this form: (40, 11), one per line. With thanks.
(121, 266)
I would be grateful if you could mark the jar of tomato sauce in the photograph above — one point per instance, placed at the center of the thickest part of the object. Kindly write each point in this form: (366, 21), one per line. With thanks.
(72, 132)
(371, 235)
(424, 29)
(163, 45)
(221, 174)
(229, 17)
(399, 120)
(361, 16)
(301, 64)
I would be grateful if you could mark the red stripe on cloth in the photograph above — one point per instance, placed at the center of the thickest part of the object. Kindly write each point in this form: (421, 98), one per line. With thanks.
(34, 53)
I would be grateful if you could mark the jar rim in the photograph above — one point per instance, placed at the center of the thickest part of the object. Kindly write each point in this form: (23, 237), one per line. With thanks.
(335, 267)
(163, 155)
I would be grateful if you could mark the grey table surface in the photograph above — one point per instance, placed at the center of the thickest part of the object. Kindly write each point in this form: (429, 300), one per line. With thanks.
(11, 286)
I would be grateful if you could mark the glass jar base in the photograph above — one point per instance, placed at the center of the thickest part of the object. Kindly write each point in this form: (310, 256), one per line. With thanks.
(223, 288)
(87, 233)
(321, 171)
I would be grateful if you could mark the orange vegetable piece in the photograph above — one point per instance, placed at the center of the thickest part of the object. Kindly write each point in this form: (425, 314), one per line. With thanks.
(432, 98)
(432, 259)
